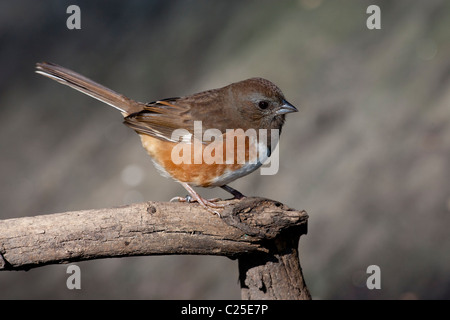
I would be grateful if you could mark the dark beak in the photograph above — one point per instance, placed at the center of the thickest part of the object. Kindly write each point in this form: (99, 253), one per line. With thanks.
(286, 108)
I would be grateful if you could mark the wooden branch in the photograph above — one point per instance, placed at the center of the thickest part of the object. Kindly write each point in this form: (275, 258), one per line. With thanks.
(263, 234)
(274, 276)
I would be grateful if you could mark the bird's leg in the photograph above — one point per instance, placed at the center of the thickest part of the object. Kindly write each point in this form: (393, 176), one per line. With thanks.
(190, 199)
(208, 204)
(194, 196)
(236, 194)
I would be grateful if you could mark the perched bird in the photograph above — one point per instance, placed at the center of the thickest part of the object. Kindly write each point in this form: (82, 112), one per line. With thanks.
(206, 122)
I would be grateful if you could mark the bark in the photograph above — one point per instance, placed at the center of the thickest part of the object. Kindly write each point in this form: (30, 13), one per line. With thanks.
(263, 234)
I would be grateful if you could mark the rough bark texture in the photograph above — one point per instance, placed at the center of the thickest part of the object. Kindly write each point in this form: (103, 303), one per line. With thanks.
(276, 275)
(263, 234)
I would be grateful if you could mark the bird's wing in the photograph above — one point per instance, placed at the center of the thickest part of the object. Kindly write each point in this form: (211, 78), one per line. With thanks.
(161, 118)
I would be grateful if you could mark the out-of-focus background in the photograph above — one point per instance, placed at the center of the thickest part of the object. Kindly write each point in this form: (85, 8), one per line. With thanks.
(368, 155)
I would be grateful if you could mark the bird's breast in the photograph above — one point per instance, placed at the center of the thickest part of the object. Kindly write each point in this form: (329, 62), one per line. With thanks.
(206, 165)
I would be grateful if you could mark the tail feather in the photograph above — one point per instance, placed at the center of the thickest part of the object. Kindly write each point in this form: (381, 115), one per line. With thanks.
(87, 86)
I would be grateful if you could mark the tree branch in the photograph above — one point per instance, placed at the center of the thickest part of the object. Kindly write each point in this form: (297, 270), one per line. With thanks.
(248, 227)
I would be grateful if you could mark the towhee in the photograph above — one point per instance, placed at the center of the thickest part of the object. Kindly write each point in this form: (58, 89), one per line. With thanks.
(252, 105)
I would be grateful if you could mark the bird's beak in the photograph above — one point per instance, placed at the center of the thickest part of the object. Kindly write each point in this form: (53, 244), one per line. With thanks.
(286, 108)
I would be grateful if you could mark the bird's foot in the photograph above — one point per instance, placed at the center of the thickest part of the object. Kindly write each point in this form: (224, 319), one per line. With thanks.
(209, 204)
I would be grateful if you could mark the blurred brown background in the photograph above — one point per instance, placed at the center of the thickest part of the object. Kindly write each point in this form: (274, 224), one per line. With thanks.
(368, 155)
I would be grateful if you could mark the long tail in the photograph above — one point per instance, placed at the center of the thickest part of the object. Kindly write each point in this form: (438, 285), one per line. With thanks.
(87, 86)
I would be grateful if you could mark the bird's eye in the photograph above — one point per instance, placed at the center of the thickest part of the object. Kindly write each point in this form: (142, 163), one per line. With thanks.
(263, 104)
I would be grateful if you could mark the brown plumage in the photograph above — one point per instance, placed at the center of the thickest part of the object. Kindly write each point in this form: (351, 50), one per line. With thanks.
(254, 103)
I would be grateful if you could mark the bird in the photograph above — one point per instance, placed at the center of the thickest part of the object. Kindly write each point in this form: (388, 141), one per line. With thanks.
(205, 122)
